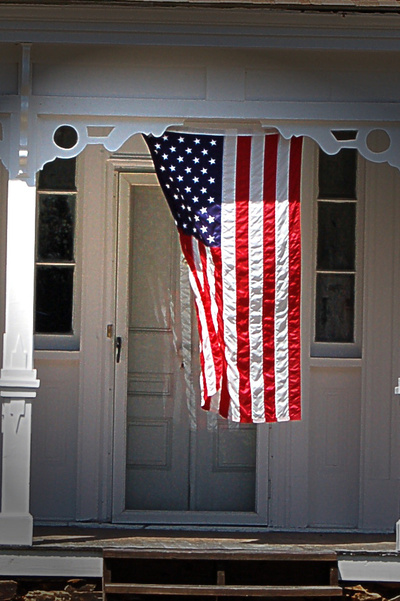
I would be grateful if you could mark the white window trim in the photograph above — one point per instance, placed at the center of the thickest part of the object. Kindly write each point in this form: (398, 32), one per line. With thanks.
(340, 350)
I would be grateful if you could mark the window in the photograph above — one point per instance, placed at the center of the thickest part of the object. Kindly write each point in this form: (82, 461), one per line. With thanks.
(55, 319)
(337, 257)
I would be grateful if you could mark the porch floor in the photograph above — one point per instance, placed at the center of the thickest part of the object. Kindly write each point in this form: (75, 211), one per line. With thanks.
(90, 538)
(78, 551)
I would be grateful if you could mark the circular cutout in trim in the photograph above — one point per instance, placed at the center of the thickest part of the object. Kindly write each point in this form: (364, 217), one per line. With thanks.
(65, 137)
(378, 140)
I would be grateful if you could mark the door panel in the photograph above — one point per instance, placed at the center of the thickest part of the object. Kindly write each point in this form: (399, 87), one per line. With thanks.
(157, 440)
(225, 466)
(153, 262)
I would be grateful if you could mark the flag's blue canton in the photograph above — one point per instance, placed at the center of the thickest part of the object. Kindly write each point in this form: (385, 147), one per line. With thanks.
(189, 169)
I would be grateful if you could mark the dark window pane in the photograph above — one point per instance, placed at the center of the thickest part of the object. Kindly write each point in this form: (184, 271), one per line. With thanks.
(58, 175)
(56, 228)
(337, 174)
(54, 299)
(334, 315)
(336, 236)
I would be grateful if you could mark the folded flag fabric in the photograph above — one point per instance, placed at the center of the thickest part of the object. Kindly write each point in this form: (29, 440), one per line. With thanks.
(236, 203)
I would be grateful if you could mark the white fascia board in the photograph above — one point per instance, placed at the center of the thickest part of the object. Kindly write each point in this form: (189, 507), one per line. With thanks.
(183, 25)
(84, 564)
(277, 111)
(369, 567)
(75, 564)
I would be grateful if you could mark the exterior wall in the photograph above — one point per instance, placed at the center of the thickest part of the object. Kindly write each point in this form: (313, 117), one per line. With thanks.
(71, 477)
(54, 436)
(10, 57)
(317, 465)
(250, 77)
(99, 87)
(214, 74)
(381, 436)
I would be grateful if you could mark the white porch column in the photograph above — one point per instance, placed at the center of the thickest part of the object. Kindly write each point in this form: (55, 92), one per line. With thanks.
(397, 391)
(18, 378)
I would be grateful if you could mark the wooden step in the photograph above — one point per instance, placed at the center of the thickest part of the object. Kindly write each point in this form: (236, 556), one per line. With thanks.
(224, 590)
(219, 573)
(235, 554)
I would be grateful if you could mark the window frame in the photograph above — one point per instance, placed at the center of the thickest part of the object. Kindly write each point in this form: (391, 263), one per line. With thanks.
(340, 349)
(54, 341)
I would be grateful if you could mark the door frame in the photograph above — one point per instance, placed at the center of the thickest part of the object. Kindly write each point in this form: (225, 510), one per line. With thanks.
(128, 172)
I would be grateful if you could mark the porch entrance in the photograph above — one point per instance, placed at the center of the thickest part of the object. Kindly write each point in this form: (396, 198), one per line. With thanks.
(174, 462)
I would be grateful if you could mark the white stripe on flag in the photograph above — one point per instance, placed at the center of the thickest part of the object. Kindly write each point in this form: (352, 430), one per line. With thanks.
(256, 280)
(211, 283)
(228, 259)
(215, 398)
(187, 352)
(209, 367)
(282, 282)
(197, 261)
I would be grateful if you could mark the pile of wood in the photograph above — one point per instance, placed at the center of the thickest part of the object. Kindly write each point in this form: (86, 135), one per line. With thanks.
(372, 592)
(81, 590)
(46, 590)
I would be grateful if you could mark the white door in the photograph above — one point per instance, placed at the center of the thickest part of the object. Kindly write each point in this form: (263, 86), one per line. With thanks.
(173, 461)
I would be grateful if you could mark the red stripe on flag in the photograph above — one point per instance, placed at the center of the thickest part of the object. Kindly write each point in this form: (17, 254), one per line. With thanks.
(207, 302)
(187, 249)
(207, 309)
(294, 279)
(242, 188)
(270, 166)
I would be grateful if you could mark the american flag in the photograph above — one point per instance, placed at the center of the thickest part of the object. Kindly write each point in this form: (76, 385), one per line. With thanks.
(236, 202)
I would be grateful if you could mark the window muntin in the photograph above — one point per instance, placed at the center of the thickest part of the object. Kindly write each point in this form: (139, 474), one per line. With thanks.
(337, 303)
(55, 302)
